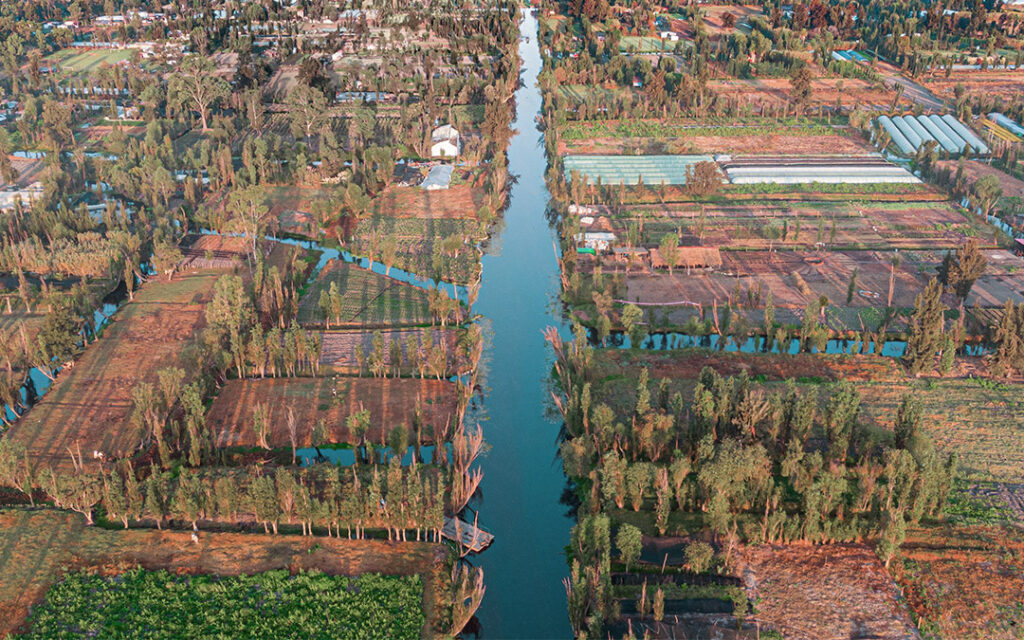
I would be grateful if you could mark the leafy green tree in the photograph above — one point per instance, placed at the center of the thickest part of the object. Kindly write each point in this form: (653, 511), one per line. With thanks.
(58, 339)
(925, 328)
(699, 556)
(307, 109)
(961, 270)
(194, 86)
(669, 248)
(629, 542)
(631, 322)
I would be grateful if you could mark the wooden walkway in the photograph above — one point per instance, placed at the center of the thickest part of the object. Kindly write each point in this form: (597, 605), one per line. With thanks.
(466, 535)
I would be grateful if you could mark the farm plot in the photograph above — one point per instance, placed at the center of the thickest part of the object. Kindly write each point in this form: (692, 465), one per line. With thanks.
(457, 201)
(964, 582)
(338, 349)
(975, 169)
(821, 592)
(29, 170)
(369, 299)
(825, 92)
(89, 406)
(793, 278)
(613, 170)
(581, 93)
(988, 85)
(645, 44)
(714, 14)
(37, 547)
(80, 62)
(749, 140)
(390, 402)
(417, 240)
(215, 252)
(157, 604)
(796, 225)
(988, 437)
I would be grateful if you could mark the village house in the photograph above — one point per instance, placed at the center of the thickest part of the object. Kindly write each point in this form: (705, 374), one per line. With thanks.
(445, 142)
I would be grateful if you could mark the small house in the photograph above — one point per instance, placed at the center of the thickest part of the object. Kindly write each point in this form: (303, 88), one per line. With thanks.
(596, 240)
(445, 142)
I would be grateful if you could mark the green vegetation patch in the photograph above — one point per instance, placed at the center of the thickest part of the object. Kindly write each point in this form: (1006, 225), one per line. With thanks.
(365, 298)
(157, 604)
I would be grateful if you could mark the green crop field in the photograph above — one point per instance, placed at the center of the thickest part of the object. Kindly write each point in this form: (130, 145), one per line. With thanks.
(80, 62)
(369, 299)
(645, 44)
(158, 604)
(613, 170)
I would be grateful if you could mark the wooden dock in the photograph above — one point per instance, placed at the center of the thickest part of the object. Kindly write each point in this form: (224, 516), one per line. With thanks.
(468, 536)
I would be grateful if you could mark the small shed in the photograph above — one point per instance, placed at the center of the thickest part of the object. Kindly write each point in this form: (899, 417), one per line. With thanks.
(627, 254)
(597, 240)
(439, 177)
(445, 142)
(689, 258)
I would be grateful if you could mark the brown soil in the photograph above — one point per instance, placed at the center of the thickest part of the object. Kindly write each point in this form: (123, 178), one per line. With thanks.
(338, 348)
(965, 582)
(747, 145)
(974, 169)
(688, 365)
(713, 17)
(39, 546)
(824, 92)
(794, 278)
(390, 401)
(824, 592)
(29, 170)
(457, 201)
(89, 407)
(1004, 84)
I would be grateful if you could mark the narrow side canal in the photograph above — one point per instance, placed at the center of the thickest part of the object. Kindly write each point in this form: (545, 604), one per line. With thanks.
(523, 479)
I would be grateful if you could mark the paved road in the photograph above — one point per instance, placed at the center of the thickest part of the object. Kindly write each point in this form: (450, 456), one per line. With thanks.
(911, 90)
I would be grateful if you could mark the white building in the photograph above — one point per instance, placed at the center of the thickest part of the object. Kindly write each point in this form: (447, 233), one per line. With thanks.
(445, 142)
(597, 240)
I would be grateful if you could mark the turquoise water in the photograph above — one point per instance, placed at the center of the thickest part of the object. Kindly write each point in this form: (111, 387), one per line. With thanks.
(523, 479)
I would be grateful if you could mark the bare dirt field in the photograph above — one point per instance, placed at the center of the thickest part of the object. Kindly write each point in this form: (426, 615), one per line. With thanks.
(974, 169)
(38, 546)
(713, 17)
(988, 439)
(794, 279)
(823, 592)
(988, 84)
(90, 405)
(754, 144)
(29, 170)
(457, 201)
(964, 582)
(390, 401)
(338, 348)
(825, 92)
